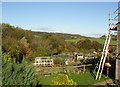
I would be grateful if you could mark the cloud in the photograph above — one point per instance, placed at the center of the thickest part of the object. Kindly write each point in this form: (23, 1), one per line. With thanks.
(44, 29)
(96, 35)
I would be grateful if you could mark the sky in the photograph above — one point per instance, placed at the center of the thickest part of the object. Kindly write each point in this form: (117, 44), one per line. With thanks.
(84, 18)
(59, 0)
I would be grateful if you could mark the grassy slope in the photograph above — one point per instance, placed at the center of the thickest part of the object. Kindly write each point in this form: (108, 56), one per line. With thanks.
(102, 41)
(84, 78)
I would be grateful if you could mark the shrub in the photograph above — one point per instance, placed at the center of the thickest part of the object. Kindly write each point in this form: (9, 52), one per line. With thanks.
(60, 61)
(62, 79)
(18, 74)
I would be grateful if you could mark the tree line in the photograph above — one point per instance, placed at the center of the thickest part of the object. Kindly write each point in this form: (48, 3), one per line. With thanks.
(27, 44)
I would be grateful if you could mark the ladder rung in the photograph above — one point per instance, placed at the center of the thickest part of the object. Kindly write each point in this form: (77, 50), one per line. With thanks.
(104, 55)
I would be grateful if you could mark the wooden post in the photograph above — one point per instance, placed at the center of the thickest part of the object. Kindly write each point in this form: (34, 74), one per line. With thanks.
(108, 67)
(83, 68)
(118, 46)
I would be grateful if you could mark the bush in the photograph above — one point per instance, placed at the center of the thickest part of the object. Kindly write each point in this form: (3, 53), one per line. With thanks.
(18, 74)
(62, 79)
(59, 61)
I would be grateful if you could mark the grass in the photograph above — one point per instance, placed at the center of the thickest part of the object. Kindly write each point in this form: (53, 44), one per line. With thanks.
(45, 80)
(86, 78)
(102, 41)
(99, 40)
(83, 78)
(72, 40)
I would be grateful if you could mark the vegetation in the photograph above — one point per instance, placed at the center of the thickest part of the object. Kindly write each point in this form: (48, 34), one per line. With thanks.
(99, 40)
(30, 44)
(102, 41)
(82, 78)
(59, 61)
(17, 74)
(21, 43)
(62, 79)
(20, 47)
(88, 45)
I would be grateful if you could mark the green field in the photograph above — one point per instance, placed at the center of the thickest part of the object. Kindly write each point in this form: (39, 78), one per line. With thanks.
(81, 78)
(99, 40)
(84, 78)
(102, 41)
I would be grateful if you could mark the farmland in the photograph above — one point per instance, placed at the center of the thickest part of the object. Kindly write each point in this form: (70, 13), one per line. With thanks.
(99, 40)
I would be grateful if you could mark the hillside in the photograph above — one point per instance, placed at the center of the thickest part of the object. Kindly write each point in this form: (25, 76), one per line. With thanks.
(76, 37)
(31, 44)
(65, 36)
(62, 35)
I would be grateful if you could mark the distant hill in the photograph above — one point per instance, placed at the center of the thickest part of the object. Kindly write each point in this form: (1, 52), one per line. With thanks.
(62, 35)
(67, 37)
(77, 37)
(19, 42)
